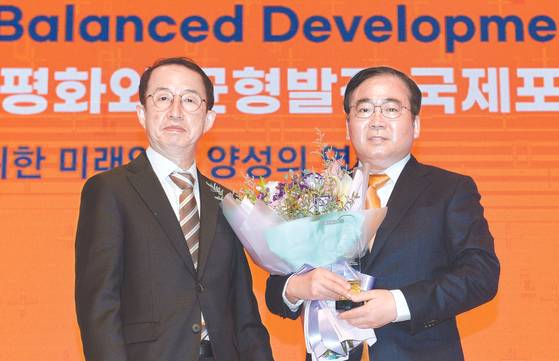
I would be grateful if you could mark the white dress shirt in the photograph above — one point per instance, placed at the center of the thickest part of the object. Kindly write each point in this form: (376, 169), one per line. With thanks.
(393, 172)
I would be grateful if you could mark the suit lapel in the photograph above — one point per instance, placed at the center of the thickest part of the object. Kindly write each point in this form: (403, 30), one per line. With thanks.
(410, 184)
(145, 182)
(208, 221)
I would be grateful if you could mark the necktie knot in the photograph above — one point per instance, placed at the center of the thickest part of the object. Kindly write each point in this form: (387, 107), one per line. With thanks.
(183, 180)
(378, 180)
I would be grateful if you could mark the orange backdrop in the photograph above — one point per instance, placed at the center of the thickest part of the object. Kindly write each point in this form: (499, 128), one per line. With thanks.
(490, 111)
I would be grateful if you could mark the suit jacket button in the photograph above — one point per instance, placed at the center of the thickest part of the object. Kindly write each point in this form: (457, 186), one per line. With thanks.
(430, 323)
(196, 328)
(200, 287)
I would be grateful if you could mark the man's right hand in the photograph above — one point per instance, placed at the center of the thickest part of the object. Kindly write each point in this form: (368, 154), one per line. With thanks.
(318, 284)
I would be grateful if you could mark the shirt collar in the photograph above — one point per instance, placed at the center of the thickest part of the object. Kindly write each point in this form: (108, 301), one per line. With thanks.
(394, 171)
(163, 166)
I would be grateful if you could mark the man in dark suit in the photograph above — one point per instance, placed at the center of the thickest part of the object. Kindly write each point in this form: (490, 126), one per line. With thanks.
(160, 275)
(433, 256)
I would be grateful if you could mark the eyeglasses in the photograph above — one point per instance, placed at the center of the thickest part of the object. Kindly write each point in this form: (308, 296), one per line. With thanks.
(163, 100)
(390, 109)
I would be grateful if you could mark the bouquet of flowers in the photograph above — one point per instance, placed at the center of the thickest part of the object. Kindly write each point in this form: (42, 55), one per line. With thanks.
(312, 219)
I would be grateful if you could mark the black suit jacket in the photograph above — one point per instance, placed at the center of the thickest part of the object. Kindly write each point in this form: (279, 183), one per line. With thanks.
(435, 246)
(138, 295)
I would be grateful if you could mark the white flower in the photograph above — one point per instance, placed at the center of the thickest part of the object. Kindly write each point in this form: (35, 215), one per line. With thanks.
(271, 188)
(344, 186)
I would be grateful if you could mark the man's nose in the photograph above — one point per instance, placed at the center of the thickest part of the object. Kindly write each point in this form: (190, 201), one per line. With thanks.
(176, 107)
(377, 119)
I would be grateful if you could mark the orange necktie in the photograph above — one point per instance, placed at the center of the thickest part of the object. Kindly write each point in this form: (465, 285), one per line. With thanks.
(376, 181)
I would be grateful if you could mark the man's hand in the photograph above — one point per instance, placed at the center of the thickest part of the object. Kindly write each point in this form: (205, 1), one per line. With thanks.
(379, 309)
(318, 284)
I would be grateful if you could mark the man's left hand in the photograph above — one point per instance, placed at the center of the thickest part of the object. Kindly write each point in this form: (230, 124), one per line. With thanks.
(379, 309)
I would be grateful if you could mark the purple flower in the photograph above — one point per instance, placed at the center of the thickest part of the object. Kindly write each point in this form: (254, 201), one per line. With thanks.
(312, 180)
(280, 192)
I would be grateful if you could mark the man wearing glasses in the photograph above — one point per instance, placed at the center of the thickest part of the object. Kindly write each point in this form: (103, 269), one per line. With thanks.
(160, 276)
(433, 256)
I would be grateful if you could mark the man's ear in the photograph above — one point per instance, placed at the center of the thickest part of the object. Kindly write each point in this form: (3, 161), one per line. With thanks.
(141, 113)
(209, 122)
(347, 128)
(416, 127)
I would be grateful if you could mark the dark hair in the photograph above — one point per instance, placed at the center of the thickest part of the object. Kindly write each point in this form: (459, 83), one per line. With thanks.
(413, 89)
(182, 61)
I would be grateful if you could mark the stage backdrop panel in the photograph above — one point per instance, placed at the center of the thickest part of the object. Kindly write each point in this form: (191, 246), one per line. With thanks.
(489, 71)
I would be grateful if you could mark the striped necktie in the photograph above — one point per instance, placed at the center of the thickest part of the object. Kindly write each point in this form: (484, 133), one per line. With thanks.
(188, 213)
(190, 223)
